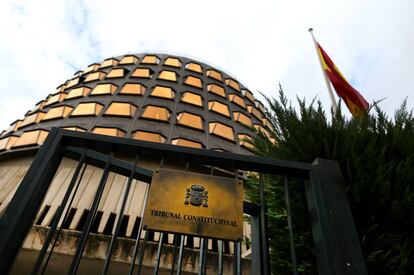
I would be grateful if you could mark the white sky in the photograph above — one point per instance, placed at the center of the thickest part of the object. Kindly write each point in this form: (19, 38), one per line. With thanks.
(261, 43)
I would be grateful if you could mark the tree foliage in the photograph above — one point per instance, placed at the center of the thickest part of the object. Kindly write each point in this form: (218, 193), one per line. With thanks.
(376, 157)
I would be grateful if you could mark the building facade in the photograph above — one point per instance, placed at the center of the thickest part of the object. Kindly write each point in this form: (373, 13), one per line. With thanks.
(150, 97)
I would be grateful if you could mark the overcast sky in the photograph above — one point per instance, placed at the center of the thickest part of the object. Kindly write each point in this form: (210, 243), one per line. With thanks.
(261, 43)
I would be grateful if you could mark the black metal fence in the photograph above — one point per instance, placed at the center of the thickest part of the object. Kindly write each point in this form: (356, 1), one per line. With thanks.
(336, 242)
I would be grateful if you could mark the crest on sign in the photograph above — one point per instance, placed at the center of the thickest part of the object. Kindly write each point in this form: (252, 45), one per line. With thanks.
(196, 195)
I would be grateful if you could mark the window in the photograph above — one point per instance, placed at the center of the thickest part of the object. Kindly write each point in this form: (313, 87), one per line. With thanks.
(163, 92)
(87, 109)
(6, 143)
(248, 95)
(174, 62)
(128, 59)
(109, 62)
(216, 89)
(73, 82)
(78, 92)
(36, 137)
(260, 106)
(150, 59)
(148, 136)
(168, 75)
(193, 81)
(214, 74)
(38, 106)
(132, 89)
(55, 99)
(260, 128)
(192, 98)
(254, 112)
(33, 118)
(116, 73)
(104, 89)
(267, 123)
(115, 132)
(194, 67)
(121, 109)
(244, 141)
(91, 68)
(156, 113)
(243, 119)
(190, 120)
(221, 130)
(219, 108)
(141, 73)
(94, 76)
(187, 143)
(78, 129)
(233, 83)
(14, 126)
(57, 112)
(238, 100)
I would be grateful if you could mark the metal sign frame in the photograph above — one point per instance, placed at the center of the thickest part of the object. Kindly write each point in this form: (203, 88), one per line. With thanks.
(336, 242)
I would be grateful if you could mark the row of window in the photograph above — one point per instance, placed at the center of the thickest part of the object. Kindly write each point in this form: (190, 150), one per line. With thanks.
(37, 137)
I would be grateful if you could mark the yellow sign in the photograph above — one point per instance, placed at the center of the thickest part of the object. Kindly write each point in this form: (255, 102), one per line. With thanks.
(195, 204)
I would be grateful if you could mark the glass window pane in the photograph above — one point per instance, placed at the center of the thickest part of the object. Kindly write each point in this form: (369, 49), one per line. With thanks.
(78, 129)
(87, 109)
(214, 74)
(248, 95)
(78, 92)
(149, 136)
(121, 109)
(238, 100)
(244, 141)
(150, 59)
(260, 128)
(243, 119)
(187, 143)
(133, 89)
(267, 124)
(193, 81)
(91, 68)
(260, 106)
(254, 112)
(33, 118)
(156, 113)
(58, 112)
(128, 59)
(216, 89)
(94, 76)
(55, 98)
(8, 142)
(73, 82)
(164, 92)
(115, 132)
(194, 67)
(190, 120)
(104, 89)
(168, 75)
(192, 98)
(233, 83)
(142, 73)
(109, 62)
(219, 108)
(36, 137)
(116, 73)
(221, 130)
(174, 62)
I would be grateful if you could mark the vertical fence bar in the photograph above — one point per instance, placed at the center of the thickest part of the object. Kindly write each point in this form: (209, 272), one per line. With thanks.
(119, 220)
(180, 255)
(201, 257)
(220, 257)
(263, 227)
(58, 214)
(174, 253)
(157, 265)
(289, 220)
(237, 258)
(89, 220)
(141, 256)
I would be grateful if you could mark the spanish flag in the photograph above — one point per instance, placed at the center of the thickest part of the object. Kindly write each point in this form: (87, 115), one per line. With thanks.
(356, 104)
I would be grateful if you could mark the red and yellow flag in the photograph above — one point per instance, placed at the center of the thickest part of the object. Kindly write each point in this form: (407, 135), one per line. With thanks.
(356, 104)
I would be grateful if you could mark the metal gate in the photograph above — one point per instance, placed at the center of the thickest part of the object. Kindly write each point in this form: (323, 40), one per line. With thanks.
(335, 239)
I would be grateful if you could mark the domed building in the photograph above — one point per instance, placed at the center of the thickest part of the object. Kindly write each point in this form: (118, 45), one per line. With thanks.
(150, 97)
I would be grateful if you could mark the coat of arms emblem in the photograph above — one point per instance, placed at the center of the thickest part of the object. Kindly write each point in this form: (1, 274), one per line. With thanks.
(196, 195)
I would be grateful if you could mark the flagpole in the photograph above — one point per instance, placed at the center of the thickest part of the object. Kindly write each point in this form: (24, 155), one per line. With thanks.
(328, 83)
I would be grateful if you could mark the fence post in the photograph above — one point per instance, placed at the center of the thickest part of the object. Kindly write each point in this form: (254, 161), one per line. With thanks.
(337, 246)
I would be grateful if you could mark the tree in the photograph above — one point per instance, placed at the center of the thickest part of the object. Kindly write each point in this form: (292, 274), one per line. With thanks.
(376, 157)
